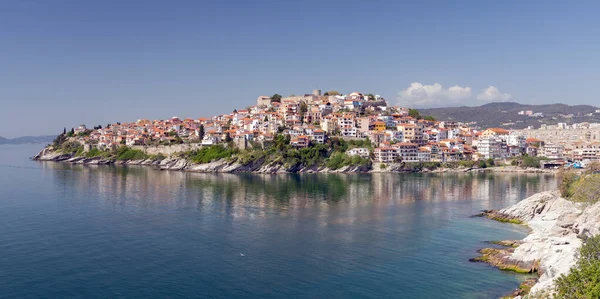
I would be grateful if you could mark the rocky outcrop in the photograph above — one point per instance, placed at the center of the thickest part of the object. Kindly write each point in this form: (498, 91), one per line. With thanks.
(557, 229)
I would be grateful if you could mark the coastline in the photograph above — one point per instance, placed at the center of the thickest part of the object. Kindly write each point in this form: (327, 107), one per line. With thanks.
(557, 226)
(224, 166)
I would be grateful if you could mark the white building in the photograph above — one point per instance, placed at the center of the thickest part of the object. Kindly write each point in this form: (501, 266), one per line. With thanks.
(359, 151)
(490, 148)
(553, 151)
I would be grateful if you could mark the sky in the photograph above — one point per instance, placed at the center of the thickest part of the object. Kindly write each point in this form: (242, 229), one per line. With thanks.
(65, 63)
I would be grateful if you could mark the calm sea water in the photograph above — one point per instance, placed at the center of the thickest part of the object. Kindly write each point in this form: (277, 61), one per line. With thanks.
(70, 231)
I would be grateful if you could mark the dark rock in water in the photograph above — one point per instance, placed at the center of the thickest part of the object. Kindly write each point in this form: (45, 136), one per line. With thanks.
(507, 243)
(498, 216)
(500, 258)
(523, 289)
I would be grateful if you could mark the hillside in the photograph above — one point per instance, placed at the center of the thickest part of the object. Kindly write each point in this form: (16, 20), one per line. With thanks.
(505, 115)
(27, 139)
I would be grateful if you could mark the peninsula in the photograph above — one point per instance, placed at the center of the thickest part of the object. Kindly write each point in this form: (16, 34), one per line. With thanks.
(318, 132)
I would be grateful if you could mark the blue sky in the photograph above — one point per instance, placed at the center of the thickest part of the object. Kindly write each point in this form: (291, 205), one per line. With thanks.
(63, 63)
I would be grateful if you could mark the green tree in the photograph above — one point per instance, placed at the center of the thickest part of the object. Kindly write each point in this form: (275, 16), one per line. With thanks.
(414, 113)
(228, 137)
(303, 108)
(201, 132)
(276, 98)
(333, 93)
(429, 118)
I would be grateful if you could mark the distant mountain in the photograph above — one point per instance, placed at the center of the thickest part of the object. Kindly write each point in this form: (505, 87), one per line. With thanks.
(506, 114)
(28, 139)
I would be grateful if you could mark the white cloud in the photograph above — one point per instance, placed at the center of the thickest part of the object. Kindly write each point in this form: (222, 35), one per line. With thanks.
(492, 94)
(417, 95)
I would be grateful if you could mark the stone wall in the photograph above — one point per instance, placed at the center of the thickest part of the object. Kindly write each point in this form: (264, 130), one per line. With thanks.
(167, 150)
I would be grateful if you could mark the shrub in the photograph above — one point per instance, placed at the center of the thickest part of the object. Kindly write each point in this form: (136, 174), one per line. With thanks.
(482, 164)
(532, 161)
(125, 153)
(566, 179)
(71, 147)
(586, 189)
(383, 166)
(583, 281)
(94, 152)
(211, 153)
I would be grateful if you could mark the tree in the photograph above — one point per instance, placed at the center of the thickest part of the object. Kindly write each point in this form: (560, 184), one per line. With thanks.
(65, 131)
(228, 137)
(429, 118)
(333, 93)
(276, 98)
(201, 132)
(303, 107)
(370, 97)
(234, 111)
(414, 113)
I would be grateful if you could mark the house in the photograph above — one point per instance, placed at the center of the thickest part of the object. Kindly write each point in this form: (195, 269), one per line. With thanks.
(495, 132)
(359, 151)
(379, 126)
(407, 151)
(385, 154)
(318, 136)
(553, 151)
(300, 141)
(424, 154)
(490, 147)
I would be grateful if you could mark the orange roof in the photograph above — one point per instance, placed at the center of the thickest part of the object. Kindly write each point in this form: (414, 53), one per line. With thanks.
(499, 130)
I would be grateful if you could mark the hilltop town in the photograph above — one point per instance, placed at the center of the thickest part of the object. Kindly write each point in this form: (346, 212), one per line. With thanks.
(349, 127)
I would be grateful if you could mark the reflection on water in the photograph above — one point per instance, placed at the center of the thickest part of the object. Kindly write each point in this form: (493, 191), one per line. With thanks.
(242, 195)
(135, 232)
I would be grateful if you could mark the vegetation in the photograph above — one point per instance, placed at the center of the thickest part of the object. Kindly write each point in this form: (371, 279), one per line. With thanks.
(566, 179)
(276, 98)
(528, 161)
(210, 153)
(339, 160)
(201, 132)
(580, 188)
(70, 147)
(125, 153)
(585, 189)
(583, 281)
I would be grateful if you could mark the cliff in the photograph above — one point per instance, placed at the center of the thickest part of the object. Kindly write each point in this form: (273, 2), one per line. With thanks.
(558, 227)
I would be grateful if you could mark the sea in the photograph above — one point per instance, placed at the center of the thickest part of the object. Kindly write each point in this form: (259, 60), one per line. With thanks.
(73, 231)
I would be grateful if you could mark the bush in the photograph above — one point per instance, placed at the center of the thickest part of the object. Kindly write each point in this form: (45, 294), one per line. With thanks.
(566, 179)
(383, 166)
(125, 153)
(211, 153)
(94, 152)
(532, 161)
(583, 281)
(482, 164)
(71, 147)
(586, 189)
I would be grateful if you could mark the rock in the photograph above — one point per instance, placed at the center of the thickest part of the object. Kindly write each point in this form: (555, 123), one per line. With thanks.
(557, 226)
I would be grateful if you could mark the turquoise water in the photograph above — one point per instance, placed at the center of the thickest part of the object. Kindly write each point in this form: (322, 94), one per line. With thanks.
(69, 231)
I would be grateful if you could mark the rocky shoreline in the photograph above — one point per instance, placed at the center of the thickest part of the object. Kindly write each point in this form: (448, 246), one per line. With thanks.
(558, 227)
(224, 166)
